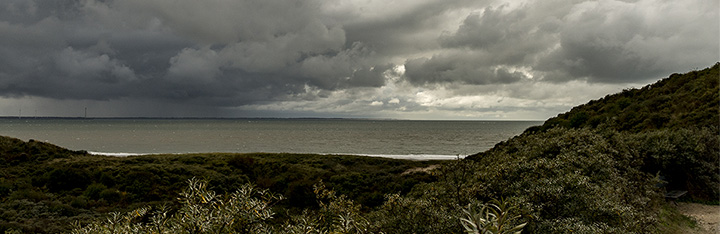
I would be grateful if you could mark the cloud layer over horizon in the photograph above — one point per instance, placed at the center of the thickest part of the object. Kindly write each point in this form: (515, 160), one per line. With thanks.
(416, 59)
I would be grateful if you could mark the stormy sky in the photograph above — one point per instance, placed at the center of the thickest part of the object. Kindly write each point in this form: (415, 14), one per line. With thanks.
(408, 59)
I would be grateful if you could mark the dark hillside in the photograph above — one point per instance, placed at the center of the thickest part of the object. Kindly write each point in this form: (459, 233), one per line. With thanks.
(15, 151)
(604, 166)
(672, 127)
(687, 100)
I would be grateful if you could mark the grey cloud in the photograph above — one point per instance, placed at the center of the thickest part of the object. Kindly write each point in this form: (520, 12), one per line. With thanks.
(607, 43)
(486, 48)
(226, 22)
(558, 41)
(486, 29)
(77, 75)
(345, 69)
(228, 54)
(457, 68)
(195, 65)
(369, 76)
(399, 28)
(510, 37)
(32, 11)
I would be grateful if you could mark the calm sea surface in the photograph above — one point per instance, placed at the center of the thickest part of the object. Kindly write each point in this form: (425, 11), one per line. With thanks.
(398, 138)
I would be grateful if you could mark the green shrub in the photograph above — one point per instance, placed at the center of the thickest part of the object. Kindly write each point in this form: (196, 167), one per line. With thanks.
(93, 190)
(407, 214)
(571, 174)
(337, 214)
(686, 158)
(66, 178)
(495, 217)
(247, 210)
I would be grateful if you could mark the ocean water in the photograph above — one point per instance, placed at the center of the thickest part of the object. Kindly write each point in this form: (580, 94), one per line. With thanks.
(388, 138)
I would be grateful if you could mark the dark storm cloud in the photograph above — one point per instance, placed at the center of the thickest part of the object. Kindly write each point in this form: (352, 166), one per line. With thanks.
(270, 54)
(226, 54)
(607, 41)
(399, 27)
(486, 29)
(456, 68)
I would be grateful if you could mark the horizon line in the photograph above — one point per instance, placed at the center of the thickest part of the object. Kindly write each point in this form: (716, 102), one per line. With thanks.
(279, 118)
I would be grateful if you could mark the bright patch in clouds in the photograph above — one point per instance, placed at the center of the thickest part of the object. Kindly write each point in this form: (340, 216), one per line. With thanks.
(413, 59)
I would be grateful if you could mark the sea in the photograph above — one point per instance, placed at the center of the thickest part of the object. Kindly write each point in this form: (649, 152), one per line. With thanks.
(404, 139)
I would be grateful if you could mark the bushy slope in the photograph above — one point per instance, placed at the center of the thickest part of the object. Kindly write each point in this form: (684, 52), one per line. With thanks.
(15, 151)
(672, 127)
(687, 100)
(604, 166)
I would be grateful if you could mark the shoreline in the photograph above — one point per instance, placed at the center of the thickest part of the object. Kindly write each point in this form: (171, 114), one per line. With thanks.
(416, 157)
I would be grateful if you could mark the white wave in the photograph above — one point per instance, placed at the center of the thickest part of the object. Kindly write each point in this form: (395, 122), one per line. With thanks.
(420, 157)
(114, 154)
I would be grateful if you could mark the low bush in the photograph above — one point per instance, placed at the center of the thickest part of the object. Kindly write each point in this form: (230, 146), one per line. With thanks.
(250, 210)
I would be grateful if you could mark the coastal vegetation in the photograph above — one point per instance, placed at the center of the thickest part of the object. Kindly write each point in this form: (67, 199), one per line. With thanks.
(603, 167)
(45, 188)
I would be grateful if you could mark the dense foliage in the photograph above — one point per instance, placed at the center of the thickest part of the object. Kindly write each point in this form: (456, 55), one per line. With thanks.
(671, 127)
(572, 180)
(602, 167)
(605, 166)
(44, 188)
(680, 101)
(249, 210)
(200, 211)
